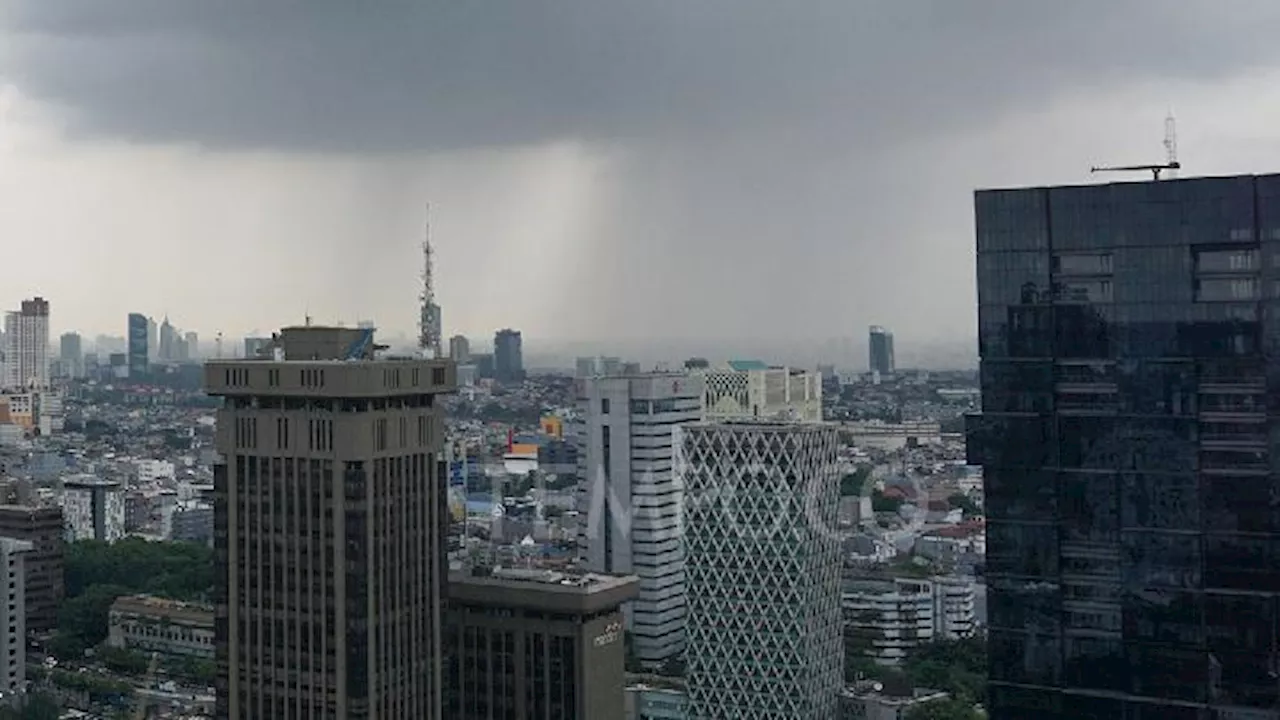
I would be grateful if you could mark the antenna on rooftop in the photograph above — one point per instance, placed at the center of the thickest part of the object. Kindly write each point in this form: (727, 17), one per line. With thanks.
(1171, 155)
(217, 341)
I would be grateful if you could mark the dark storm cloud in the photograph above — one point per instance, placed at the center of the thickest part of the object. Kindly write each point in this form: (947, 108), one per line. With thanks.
(396, 75)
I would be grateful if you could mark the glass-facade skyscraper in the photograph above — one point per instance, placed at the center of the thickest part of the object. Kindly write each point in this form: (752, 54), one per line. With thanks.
(138, 353)
(1130, 344)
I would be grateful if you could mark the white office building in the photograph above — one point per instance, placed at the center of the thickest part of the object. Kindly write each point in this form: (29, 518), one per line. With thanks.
(13, 615)
(763, 569)
(26, 346)
(93, 509)
(749, 388)
(629, 499)
(886, 619)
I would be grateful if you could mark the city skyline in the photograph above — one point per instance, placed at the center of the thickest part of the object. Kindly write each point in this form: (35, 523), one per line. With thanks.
(565, 168)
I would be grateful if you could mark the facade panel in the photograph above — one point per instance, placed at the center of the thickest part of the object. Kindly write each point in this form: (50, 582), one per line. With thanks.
(1128, 365)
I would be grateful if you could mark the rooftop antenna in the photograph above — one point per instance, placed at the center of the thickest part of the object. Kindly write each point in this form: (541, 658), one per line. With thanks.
(1171, 156)
(217, 341)
(429, 329)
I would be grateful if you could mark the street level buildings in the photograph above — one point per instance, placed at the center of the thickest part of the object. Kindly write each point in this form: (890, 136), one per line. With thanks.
(763, 569)
(330, 526)
(43, 564)
(151, 624)
(630, 500)
(536, 645)
(1128, 341)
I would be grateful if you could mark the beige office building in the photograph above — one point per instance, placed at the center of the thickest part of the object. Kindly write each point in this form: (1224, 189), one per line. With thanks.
(526, 644)
(329, 527)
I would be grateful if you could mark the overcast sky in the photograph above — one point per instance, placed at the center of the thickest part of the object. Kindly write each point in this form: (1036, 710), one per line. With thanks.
(596, 168)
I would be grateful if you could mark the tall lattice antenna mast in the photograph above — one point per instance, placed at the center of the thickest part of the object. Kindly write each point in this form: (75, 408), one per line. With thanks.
(1171, 144)
(429, 331)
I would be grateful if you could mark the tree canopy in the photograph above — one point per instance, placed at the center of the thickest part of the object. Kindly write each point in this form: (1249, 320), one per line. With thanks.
(178, 570)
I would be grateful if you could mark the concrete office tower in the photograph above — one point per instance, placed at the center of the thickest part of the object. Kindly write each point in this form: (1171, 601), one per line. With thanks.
(508, 356)
(584, 367)
(191, 342)
(330, 525)
(750, 388)
(1129, 383)
(26, 333)
(880, 351)
(169, 340)
(630, 499)
(460, 349)
(93, 508)
(763, 569)
(536, 644)
(138, 353)
(13, 631)
(71, 354)
(153, 339)
(45, 589)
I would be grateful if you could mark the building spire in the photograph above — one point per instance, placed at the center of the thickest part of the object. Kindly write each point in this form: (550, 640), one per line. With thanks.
(429, 330)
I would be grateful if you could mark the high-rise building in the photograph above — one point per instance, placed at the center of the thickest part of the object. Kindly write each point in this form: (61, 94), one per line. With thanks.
(94, 509)
(26, 333)
(460, 349)
(169, 340)
(139, 354)
(880, 351)
(71, 354)
(153, 339)
(750, 388)
(762, 568)
(1128, 337)
(330, 524)
(13, 617)
(191, 343)
(630, 501)
(584, 367)
(45, 589)
(508, 356)
(536, 644)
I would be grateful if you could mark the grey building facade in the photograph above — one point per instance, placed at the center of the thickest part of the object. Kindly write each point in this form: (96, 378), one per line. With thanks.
(1130, 363)
(508, 356)
(536, 645)
(43, 564)
(330, 520)
(880, 350)
(138, 352)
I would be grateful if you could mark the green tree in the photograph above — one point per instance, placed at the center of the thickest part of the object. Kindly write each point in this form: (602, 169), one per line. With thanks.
(956, 666)
(178, 570)
(82, 620)
(125, 661)
(36, 706)
(884, 503)
(851, 485)
(965, 503)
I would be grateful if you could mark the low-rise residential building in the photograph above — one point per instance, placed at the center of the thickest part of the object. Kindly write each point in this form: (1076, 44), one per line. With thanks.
(885, 619)
(94, 509)
(169, 627)
(650, 702)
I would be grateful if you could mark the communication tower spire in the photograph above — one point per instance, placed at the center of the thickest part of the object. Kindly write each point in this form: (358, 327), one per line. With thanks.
(429, 331)
(1171, 144)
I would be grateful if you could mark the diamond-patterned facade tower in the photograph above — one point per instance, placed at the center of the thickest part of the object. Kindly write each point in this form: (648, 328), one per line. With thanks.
(762, 569)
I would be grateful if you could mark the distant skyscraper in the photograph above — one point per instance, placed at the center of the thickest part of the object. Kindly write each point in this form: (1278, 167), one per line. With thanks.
(762, 569)
(139, 354)
(71, 354)
(631, 502)
(1128, 437)
(191, 342)
(584, 367)
(153, 340)
(880, 349)
(26, 335)
(169, 340)
(330, 519)
(508, 356)
(460, 349)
